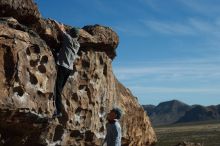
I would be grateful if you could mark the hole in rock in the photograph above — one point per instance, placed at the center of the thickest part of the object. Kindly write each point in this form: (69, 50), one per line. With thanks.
(96, 76)
(89, 136)
(83, 117)
(39, 92)
(101, 60)
(78, 110)
(51, 96)
(33, 79)
(102, 129)
(16, 77)
(75, 97)
(34, 49)
(19, 90)
(102, 109)
(75, 133)
(81, 87)
(85, 64)
(105, 71)
(40, 111)
(42, 68)
(44, 59)
(67, 102)
(77, 123)
(85, 76)
(58, 133)
(33, 63)
(9, 64)
(28, 52)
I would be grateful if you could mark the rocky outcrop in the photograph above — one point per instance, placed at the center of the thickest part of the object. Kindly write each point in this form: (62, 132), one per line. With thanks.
(28, 73)
(95, 37)
(25, 11)
(27, 68)
(103, 38)
(134, 132)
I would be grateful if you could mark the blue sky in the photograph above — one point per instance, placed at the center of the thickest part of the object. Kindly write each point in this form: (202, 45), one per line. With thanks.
(169, 49)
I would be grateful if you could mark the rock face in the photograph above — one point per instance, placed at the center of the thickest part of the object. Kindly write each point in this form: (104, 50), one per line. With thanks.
(27, 68)
(28, 73)
(25, 11)
(103, 38)
(96, 37)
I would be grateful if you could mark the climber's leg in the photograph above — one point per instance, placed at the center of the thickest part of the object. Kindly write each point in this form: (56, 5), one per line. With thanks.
(66, 74)
(62, 76)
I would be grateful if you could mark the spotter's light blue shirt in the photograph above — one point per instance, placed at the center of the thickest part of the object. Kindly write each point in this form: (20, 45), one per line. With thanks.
(113, 136)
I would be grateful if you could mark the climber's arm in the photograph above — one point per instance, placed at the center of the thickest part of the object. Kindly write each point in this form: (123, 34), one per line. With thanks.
(60, 27)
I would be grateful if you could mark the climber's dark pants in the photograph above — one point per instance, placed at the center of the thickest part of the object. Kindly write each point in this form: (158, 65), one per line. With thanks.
(62, 76)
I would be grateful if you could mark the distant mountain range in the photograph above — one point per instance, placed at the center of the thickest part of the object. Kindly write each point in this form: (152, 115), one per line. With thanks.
(174, 111)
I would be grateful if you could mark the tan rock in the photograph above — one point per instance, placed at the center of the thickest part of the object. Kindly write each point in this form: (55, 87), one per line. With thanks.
(96, 37)
(28, 73)
(27, 69)
(104, 39)
(25, 11)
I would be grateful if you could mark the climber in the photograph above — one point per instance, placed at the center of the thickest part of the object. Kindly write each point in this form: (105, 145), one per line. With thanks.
(113, 136)
(65, 59)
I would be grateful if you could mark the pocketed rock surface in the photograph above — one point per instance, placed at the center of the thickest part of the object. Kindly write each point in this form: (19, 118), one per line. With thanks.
(28, 74)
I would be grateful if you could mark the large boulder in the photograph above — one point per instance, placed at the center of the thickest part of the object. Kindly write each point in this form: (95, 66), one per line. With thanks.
(103, 38)
(25, 11)
(96, 37)
(92, 36)
(137, 129)
(28, 74)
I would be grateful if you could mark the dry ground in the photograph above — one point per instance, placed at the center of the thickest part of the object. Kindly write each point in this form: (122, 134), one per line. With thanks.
(206, 133)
